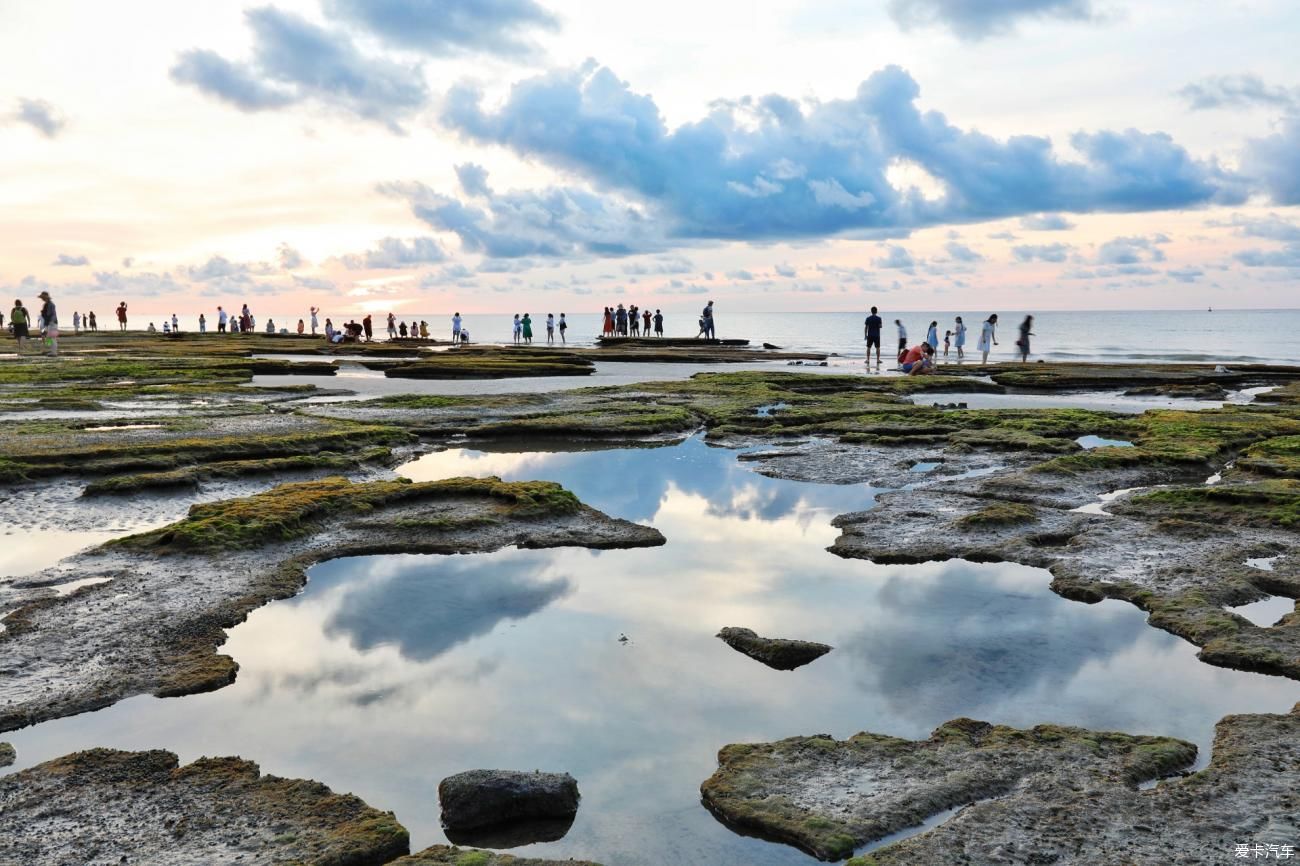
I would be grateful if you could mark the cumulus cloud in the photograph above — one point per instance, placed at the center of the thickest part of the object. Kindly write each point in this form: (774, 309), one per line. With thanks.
(784, 270)
(661, 265)
(397, 253)
(41, 116)
(1275, 161)
(1045, 222)
(978, 19)
(1237, 91)
(65, 260)
(473, 179)
(1131, 250)
(740, 275)
(1271, 227)
(959, 252)
(222, 268)
(1185, 275)
(297, 61)
(290, 258)
(1287, 257)
(773, 168)
(895, 257)
(449, 27)
(1041, 252)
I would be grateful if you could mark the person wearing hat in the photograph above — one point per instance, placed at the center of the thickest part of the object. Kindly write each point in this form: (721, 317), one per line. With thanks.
(19, 321)
(50, 318)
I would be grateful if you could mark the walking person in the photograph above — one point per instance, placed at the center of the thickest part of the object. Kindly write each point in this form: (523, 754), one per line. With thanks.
(368, 327)
(564, 326)
(455, 328)
(659, 323)
(902, 339)
(50, 323)
(550, 328)
(871, 333)
(19, 323)
(707, 315)
(1025, 334)
(959, 335)
(314, 311)
(988, 336)
(121, 316)
(527, 324)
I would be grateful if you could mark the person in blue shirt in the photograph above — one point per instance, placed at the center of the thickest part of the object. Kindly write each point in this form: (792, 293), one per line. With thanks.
(871, 331)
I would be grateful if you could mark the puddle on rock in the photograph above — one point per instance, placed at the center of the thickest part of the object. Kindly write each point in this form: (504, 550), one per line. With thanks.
(1266, 612)
(1090, 442)
(389, 673)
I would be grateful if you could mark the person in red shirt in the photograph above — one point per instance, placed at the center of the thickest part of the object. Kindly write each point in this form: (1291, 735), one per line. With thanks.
(918, 359)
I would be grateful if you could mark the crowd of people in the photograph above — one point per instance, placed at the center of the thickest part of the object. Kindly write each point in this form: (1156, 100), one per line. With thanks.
(922, 357)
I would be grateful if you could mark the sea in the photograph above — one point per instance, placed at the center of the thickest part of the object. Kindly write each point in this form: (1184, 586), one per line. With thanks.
(1120, 336)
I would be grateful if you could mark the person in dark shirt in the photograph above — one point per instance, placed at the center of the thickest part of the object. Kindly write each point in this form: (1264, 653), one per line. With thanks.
(871, 331)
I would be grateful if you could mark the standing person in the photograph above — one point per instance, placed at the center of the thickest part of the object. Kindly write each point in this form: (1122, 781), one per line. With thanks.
(634, 320)
(564, 326)
(988, 336)
(369, 327)
(527, 325)
(314, 311)
(94, 326)
(329, 331)
(176, 324)
(659, 323)
(19, 323)
(947, 341)
(270, 326)
(301, 327)
(620, 321)
(932, 335)
(1025, 334)
(707, 315)
(245, 319)
(424, 330)
(959, 333)
(608, 329)
(455, 328)
(550, 328)
(646, 317)
(121, 316)
(518, 329)
(76, 323)
(392, 327)
(902, 339)
(871, 333)
(222, 318)
(50, 318)
(203, 324)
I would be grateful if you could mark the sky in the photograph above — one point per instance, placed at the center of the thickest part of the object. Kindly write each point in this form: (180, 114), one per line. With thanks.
(425, 156)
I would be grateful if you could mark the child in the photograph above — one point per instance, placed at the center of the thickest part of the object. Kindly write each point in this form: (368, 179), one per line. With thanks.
(947, 335)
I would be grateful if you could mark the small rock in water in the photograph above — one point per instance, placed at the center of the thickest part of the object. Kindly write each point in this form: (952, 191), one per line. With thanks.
(778, 653)
(482, 798)
(770, 346)
(622, 638)
(949, 405)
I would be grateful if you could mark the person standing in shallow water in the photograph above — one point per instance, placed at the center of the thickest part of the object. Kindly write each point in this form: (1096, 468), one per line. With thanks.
(988, 336)
(871, 333)
(564, 326)
(1025, 334)
(932, 335)
(455, 327)
(19, 322)
(527, 323)
(518, 328)
(550, 328)
(959, 338)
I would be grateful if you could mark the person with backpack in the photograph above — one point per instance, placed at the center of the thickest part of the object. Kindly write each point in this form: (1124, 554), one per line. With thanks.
(19, 322)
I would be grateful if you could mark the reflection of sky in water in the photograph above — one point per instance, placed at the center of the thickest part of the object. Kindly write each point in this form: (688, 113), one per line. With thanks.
(390, 673)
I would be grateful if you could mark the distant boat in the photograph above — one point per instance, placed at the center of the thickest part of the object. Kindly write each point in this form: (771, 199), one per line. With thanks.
(1210, 310)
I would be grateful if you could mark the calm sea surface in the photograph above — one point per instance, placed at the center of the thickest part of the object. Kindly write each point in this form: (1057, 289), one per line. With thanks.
(1222, 336)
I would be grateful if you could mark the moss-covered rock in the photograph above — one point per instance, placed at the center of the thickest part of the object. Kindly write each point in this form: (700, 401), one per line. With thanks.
(447, 855)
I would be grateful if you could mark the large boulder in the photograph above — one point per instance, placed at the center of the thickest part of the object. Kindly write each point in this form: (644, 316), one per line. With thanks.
(779, 653)
(482, 798)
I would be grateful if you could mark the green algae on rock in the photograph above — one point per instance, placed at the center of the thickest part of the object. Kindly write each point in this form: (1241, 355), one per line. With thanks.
(7, 755)
(447, 855)
(830, 796)
(139, 807)
(778, 653)
(155, 625)
(492, 362)
(1247, 795)
(191, 476)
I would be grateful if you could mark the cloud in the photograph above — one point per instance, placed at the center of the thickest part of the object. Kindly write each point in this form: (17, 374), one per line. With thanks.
(1186, 275)
(962, 253)
(740, 275)
(1041, 252)
(222, 268)
(1237, 91)
(297, 61)
(1287, 257)
(661, 265)
(784, 270)
(397, 253)
(318, 283)
(128, 261)
(896, 257)
(1131, 250)
(551, 222)
(65, 260)
(1004, 236)
(289, 257)
(1045, 222)
(1271, 227)
(473, 180)
(41, 116)
(1275, 161)
(442, 28)
(773, 168)
(979, 19)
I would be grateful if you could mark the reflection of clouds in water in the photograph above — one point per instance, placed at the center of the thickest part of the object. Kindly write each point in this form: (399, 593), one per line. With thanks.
(426, 608)
(961, 644)
(462, 461)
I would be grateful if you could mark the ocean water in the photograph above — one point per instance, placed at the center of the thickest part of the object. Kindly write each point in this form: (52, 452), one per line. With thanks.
(1186, 336)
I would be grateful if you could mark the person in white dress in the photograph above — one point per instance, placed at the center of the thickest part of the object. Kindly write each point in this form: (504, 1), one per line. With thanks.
(988, 337)
(959, 333)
